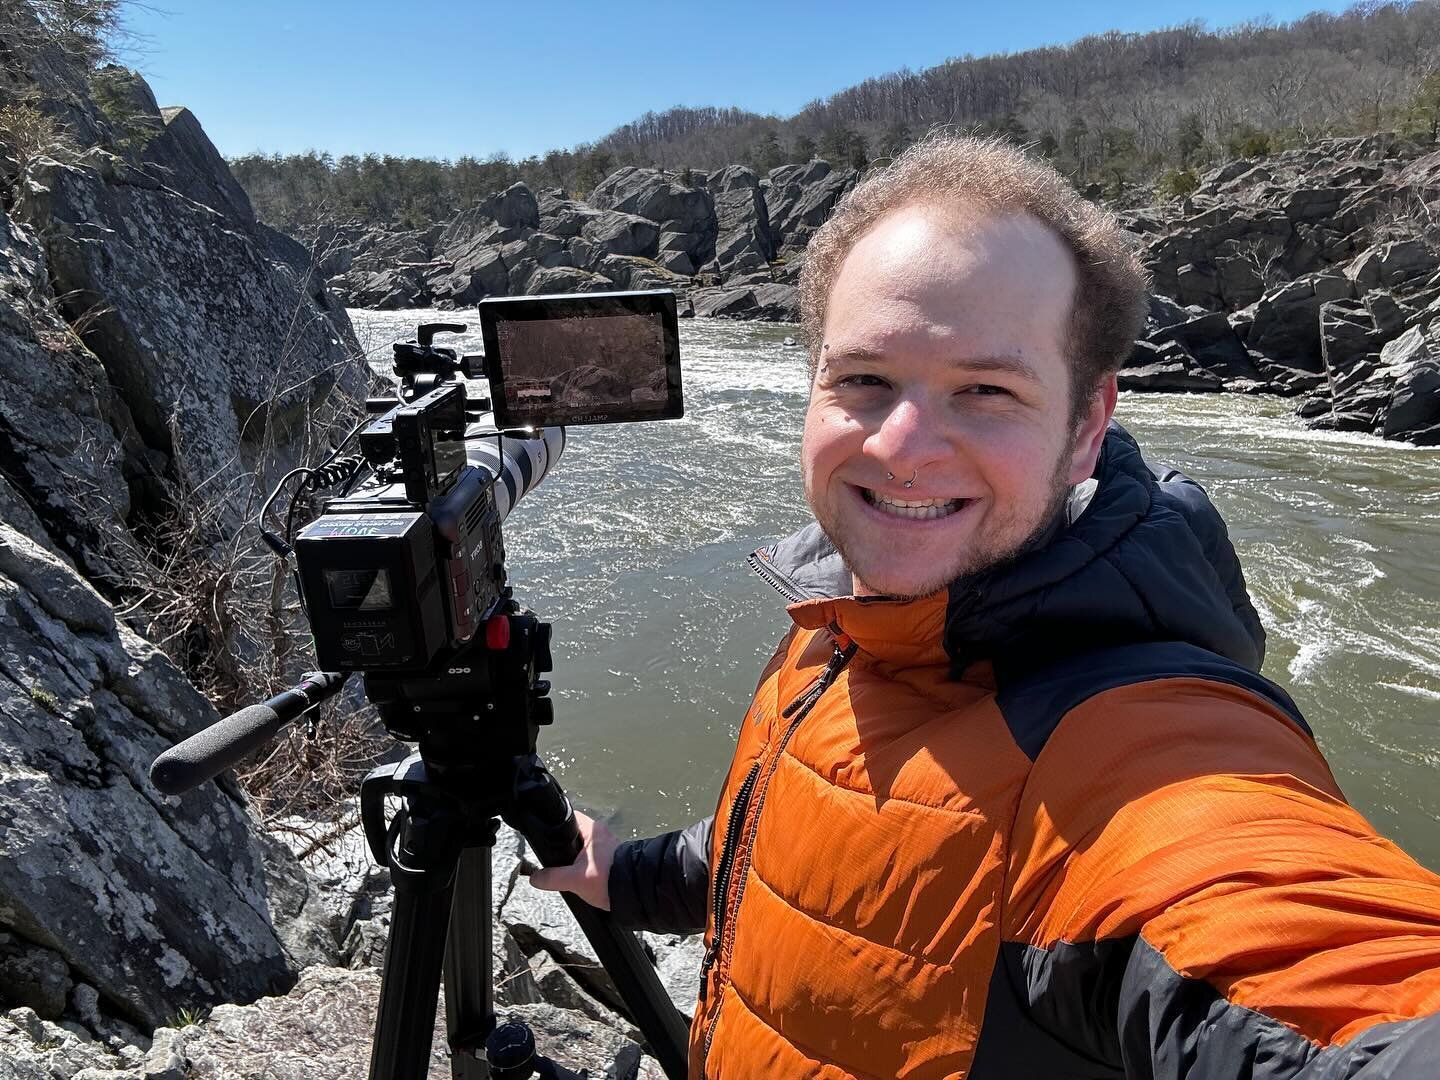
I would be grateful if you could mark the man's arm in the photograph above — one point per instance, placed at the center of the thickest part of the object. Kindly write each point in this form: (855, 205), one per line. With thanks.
(1190, 896)
(663, 883)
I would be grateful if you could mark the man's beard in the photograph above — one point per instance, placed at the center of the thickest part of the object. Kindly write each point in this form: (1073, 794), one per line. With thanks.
(1050, 524)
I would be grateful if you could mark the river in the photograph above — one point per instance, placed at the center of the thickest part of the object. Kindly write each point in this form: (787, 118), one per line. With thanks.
(634, 547)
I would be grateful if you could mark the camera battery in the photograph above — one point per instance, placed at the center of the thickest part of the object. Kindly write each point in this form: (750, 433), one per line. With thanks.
(373, 590)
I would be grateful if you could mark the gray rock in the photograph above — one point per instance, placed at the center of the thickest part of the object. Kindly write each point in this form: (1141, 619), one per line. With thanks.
(1168, 367)
(564, 217)
(1392, 265)
(513, 208)
(33, 976)
(1286, 326)
(476, 270)
(1413, 412)
(800, 198)
(1349, 346)
(36, 1049)
(653, 194)
(1212, 343)
(1197, 283)
(677, 960)
(196, 327)
(154, 902)
(320, 1030)
(184, 159)
(307, 929)
(677, 262)
(768, 302)
(744, 235)
(65, 436)
(617, 233)
(731, 178)
(565, 279)
(166, 1057)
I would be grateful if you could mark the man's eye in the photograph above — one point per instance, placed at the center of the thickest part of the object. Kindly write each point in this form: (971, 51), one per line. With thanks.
(985, 390)
(862, 380)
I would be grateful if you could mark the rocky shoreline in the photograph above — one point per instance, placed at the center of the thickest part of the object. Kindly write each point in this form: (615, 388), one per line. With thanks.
(1313, 273)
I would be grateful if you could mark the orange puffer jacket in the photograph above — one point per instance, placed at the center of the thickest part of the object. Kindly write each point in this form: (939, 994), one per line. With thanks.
(1049, 824)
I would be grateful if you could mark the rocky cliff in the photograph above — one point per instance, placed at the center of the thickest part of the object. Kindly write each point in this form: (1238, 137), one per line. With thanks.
(1289, 275)
(164, 355)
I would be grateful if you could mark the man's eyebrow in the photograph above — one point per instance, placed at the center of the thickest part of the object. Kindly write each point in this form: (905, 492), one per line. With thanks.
(1010, 365)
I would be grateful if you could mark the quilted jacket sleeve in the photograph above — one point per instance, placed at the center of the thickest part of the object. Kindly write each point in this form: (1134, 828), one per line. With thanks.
(1191, 897)
(662, 883)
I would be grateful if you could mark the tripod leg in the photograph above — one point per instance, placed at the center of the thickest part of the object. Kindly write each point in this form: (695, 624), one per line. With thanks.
(541, 812)
(469, 992)
(423, 857)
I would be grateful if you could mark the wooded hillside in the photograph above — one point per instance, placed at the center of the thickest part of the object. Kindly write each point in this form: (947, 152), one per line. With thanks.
(1111, 109)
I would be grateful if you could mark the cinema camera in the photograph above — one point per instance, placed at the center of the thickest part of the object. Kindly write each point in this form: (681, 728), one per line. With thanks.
(413, 564)
(402, 576)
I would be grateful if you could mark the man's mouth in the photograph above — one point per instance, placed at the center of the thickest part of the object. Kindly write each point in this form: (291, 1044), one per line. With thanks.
(915, 509)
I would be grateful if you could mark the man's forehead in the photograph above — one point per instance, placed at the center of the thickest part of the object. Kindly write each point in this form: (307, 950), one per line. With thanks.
(1003, 285)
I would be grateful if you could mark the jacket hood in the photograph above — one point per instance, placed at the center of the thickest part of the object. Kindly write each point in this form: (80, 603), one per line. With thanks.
(1143, 556)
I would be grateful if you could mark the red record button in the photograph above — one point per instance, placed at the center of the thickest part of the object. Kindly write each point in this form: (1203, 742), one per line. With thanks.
(497, 632)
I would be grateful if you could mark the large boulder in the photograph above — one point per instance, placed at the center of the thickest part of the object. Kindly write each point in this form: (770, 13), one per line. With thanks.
(475, 270)
(800, 198)
(560, 216)
(1392, 265)
(744, 239)
(513, 208)
(1286, 324)
(655, 195)
(1212, 343)
(1167, 367)
(216, 351)
(767, 302)
(614, 232)
(1412, 362)
(152, 904)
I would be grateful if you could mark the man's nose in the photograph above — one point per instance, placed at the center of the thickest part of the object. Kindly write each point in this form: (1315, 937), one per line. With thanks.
(909, 437)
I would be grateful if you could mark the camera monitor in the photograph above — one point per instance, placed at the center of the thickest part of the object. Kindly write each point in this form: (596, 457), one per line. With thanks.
(594, 358)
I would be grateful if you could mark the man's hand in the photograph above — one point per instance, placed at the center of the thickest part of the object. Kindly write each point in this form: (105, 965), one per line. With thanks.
(588, 877)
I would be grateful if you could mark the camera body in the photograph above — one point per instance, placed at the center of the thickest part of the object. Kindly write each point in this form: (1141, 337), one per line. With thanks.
(400, 573)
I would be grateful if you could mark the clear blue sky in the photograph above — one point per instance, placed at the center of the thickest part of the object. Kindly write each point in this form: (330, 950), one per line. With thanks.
(431, 79)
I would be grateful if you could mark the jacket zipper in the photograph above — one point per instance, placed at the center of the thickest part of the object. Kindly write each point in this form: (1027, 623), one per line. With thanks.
(724, 934)
(722, 871)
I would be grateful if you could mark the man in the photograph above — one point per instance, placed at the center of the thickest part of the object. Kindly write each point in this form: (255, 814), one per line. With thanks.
(1011, 799)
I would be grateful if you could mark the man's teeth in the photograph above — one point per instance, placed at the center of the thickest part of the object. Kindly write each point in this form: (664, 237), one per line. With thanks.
(920, 509)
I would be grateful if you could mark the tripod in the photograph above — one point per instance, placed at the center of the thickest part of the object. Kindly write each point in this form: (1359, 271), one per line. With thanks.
(475, 716)
(476, 727)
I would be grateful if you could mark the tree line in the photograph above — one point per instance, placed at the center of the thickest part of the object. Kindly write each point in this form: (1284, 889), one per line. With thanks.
(1114, 110)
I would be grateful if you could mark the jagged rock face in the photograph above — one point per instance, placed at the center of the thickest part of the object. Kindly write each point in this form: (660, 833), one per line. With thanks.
(800, 198)
(155, 903)
(744, 240)
(617, 233)
(208, 344)
(64, 435)
(650, 193)
(688, 212)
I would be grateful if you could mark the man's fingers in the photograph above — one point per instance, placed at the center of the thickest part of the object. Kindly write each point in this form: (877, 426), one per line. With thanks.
(554, 878)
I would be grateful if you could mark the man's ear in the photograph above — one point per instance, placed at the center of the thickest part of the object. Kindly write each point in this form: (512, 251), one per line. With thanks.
(1090, 431)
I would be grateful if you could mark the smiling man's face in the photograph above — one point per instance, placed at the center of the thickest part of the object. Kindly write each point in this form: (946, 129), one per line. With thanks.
(943, 363)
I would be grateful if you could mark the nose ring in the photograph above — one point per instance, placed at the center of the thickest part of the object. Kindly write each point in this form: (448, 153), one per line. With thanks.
(908, 483)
